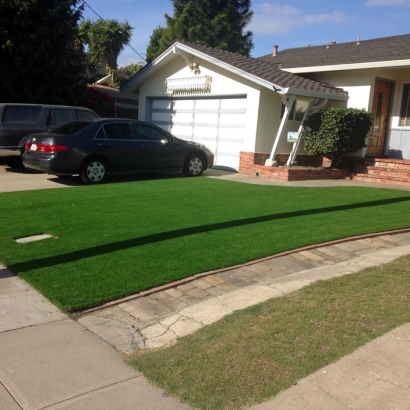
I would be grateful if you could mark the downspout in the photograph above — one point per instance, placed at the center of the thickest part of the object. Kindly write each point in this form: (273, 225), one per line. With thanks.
(288, 102)
(294, 152)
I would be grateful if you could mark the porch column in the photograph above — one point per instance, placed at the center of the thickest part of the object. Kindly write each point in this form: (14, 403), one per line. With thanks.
(294, 152)
(288, 102)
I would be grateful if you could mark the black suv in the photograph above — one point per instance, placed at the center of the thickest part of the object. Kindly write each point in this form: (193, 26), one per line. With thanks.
(19, 120)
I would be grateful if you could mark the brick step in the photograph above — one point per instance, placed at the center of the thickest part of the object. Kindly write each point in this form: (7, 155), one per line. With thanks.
(387, 163)
(383, 171)
(377, 179)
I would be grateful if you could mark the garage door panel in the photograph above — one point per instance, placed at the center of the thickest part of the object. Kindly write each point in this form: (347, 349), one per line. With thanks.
(182, 117)
(206, 118)
(207, 104)
(233, 103)
(233, 120)
(183, 104)
(162, 104)
(182, 131)
(207, 132)
(226, 133)
(229, 146)
(160, 117)
(227, 160)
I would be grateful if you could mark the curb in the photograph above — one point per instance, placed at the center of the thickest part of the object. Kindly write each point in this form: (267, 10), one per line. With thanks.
(216, 271)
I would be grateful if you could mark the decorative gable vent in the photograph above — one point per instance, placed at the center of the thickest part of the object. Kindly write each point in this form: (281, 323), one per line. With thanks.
(189, 84)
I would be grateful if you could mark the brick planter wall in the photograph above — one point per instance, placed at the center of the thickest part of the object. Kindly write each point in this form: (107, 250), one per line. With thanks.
(308, 167)
(388, 171)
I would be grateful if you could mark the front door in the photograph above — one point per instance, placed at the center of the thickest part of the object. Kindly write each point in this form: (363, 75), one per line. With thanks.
(381, 103)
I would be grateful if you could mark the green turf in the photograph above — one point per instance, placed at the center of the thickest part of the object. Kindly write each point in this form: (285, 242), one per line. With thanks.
(117, 239)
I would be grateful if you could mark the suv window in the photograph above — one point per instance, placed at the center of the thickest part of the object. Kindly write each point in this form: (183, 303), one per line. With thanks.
(83, 115)
(23, 114)
(71, 127)
(118, 131)
(59, 117)
(147, 132)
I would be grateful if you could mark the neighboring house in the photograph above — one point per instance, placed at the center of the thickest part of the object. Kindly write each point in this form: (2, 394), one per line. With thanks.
(123, 105)
(233, 103)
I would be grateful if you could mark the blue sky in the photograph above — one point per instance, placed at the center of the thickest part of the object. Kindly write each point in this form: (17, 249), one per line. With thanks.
(294, 23)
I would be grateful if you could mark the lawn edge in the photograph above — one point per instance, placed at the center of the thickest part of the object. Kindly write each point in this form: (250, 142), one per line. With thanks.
(215, 271)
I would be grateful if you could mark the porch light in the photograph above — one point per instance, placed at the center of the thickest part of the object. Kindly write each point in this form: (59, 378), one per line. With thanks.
(188, 84)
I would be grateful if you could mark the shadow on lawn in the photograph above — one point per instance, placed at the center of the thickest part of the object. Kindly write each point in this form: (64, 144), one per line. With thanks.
(163, 236)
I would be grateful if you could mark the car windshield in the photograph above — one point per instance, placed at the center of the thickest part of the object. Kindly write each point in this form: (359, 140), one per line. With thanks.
(71, 127)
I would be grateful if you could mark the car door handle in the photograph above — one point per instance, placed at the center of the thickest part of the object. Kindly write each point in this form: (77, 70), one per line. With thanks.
(147, 146)
(105, 145)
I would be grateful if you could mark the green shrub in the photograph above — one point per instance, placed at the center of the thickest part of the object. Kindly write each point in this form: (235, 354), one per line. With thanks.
(336, 131)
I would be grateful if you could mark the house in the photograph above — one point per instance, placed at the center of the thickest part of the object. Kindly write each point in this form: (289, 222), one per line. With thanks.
(113, 104)
(233, 104)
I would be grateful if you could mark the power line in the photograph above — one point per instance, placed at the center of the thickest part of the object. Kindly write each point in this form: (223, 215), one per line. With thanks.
(128, 45)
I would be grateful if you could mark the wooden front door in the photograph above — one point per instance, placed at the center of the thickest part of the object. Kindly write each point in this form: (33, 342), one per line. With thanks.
(380, 110)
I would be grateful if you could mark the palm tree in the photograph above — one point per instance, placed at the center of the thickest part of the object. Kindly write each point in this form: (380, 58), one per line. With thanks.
(105, 40)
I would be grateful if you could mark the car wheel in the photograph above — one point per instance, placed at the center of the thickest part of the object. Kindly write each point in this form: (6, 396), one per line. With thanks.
(94, 171)
(194, 165)
(14, 162)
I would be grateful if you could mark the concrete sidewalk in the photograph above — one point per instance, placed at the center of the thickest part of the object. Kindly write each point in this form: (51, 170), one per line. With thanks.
(50, 361)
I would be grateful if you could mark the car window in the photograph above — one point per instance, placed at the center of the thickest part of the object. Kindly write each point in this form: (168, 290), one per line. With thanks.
(147, 132)
(100, 134)
(71, 127)
(118, 131)
(82, 114)
(23, 114)
(59, 117)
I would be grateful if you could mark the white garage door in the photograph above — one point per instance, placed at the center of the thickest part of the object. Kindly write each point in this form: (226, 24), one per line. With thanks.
(219, 124)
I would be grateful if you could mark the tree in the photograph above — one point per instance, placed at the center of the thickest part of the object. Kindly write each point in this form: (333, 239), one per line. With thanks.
(336, 131)
(213, 23)
(41, 59)
(105, 40)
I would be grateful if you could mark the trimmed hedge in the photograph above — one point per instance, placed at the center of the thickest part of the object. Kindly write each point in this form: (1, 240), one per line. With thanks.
(336, 131)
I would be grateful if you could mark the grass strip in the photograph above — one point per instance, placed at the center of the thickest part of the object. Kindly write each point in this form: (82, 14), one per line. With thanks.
(115, 240)
(251, 355)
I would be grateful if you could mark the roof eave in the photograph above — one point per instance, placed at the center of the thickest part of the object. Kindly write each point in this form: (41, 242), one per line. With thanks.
(345, 67)
(315, 94)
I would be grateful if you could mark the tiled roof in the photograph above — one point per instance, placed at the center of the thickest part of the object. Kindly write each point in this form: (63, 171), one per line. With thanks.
(367, 51)
(265, 70)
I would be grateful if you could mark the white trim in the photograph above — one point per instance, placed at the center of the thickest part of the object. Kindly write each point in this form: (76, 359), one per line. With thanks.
(357, 66)
(306, 93)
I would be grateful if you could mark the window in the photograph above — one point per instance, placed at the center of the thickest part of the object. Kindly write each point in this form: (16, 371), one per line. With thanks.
(82, 115)
(147, 132)
(298, 110)
(23, 114)
(71, 127)
(405, 107)
(59, 117)
(118, 131)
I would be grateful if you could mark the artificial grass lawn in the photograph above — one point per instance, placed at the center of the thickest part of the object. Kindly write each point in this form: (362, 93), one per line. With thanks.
(251, 355)
(118, 239)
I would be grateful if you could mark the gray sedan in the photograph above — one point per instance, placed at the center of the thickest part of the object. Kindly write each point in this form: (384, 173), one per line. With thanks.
(93, 148)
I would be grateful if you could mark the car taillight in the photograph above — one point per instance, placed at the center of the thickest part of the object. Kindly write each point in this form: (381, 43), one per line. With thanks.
(51, 148)
(27, 146)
